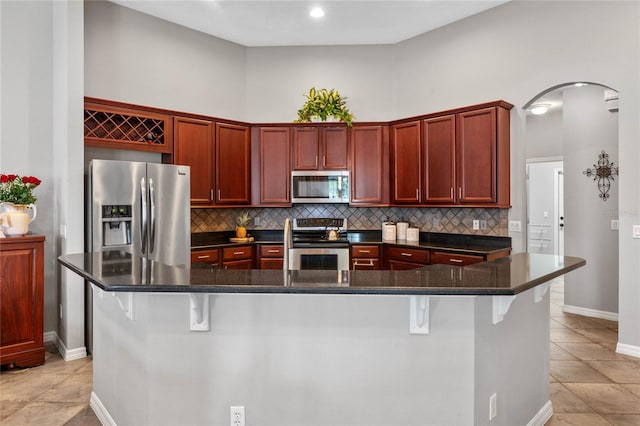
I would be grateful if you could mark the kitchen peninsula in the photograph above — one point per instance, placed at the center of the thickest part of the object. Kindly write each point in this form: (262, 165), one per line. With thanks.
(180, 345)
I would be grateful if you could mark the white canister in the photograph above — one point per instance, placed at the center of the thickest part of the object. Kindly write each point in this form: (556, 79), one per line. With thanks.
(389, 231)
(401, 230)
(413, 234)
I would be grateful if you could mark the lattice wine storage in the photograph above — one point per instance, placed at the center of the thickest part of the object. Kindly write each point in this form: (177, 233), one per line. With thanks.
(108, 126)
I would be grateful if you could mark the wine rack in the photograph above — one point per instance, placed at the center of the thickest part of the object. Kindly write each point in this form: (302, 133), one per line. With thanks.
(113, 126)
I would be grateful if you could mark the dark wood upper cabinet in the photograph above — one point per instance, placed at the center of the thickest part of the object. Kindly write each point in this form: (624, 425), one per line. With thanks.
(334, 148)
(476, 156)
(233, 164)
(439, 142)
(320, 148)
(369, 165)
(193, 147)
(406, 174)
(275, 169)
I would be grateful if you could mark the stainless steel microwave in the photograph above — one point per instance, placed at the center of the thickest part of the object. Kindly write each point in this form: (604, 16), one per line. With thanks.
(323, 186)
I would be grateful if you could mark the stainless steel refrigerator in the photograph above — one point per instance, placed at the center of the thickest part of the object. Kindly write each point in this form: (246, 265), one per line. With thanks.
(138, 208)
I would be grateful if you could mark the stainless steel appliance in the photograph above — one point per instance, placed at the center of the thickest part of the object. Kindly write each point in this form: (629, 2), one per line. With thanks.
(138, 208)
(325, 186)
(318, 243)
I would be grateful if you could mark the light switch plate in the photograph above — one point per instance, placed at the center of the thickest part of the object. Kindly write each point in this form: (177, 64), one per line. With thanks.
(515, 226)
(636, 231)
(614, 224)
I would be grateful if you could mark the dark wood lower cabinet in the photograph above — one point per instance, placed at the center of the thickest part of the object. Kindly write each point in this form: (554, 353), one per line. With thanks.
(455, 258)
(22, 301)
(211, 257)
(400, 258)
(270, 256)
(240, 257)
(365, 257)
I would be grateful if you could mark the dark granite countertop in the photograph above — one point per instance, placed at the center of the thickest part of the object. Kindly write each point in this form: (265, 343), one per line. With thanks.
(120, 271)
(460, 243)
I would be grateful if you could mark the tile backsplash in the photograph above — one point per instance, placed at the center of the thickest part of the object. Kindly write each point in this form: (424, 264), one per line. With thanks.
(447, 220)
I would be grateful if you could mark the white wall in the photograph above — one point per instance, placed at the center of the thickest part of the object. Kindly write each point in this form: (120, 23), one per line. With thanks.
(277, 77)
(544, 135)
(136, 58)
(589, 129)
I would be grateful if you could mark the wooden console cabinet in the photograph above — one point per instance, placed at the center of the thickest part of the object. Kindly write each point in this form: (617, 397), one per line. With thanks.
(21, 300)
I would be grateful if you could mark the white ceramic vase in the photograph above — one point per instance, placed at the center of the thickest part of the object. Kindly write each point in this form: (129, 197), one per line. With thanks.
(15, 218)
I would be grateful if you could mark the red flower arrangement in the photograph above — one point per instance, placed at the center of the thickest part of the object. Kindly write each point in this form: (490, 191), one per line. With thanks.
(18, 190)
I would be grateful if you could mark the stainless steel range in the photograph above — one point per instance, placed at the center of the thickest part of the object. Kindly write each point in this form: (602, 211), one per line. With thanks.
(318, 243)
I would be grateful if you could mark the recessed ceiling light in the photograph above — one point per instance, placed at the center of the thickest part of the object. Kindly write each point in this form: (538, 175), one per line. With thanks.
(316, 12)
(539, 109)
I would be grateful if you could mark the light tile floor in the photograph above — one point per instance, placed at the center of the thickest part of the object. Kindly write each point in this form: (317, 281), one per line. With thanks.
(56, 393)
(590, 383)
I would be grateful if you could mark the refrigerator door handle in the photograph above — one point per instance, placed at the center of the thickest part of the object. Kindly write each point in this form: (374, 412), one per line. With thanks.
(143, 222)
(152, 210)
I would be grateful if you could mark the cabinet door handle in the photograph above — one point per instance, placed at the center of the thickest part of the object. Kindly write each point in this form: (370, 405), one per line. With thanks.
(324, 161)
(316, 161)
(238, 253)
(460, 193)
(273, 251)
(211, 195)
(357, 263)
(417, 194)
(204, 256)
(364, 251)
(451, 193)
(219, 195)
(455, 260)
(406, 254)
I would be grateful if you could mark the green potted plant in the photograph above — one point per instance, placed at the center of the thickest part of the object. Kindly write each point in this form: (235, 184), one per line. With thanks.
(324, 103)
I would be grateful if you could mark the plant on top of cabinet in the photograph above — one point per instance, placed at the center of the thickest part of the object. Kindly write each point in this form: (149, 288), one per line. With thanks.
(322, 104)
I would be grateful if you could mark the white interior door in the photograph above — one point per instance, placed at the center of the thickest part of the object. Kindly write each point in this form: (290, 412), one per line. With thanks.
(559, 217)
(544, 207)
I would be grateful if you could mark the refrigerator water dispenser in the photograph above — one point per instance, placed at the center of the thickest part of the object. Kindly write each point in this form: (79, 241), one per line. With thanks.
(116, 225)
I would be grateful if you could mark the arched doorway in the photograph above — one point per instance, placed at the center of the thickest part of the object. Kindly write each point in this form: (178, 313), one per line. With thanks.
(579, 123)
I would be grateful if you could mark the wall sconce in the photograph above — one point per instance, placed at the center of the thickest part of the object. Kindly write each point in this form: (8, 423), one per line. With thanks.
(604, 173)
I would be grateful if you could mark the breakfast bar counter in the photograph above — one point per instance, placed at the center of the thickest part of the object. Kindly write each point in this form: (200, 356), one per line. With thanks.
(440, 345)
(121, 271)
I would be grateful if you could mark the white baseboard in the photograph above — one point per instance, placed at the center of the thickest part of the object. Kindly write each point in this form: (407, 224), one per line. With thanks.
(630, 350)
(100, 410)
(66, 353)
(587, 312)
(50, 336)
(542, 416)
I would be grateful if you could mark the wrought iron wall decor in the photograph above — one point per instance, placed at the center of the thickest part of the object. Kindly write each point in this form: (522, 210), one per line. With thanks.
(604, 173)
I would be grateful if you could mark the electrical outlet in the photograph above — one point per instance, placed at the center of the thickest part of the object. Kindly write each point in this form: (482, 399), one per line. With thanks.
(636, 231)
(256, 221)
(614, 225)
(493, 406)
(515, 226)
(476, 224)
(435, 222)
(237, 416)
(483, 225)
